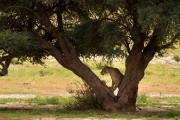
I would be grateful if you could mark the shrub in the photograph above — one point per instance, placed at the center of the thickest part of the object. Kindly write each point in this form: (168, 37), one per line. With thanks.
(176, 58)
(84, 98)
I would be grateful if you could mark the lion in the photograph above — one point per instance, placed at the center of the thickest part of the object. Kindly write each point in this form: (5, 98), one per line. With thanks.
(115, 74)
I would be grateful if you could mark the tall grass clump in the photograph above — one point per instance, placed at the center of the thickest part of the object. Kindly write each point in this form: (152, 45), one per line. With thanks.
(83, 98)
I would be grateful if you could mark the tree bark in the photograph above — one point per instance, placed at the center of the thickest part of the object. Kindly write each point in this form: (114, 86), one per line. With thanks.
(128, 89)
(136, 64)
(5, 62)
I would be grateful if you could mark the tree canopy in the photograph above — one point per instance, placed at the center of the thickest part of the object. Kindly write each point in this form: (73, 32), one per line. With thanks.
(97, 27)
(68, 29)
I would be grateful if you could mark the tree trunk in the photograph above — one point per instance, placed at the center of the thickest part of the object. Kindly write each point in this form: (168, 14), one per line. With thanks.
(128, 88)
(128, 95)
(136, 64)
(104, 95)
(5, 62)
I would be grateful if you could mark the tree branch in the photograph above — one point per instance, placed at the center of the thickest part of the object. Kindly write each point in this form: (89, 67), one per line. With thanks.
(169, 44)
(1, 62)
(55, 52)
(127, 46)
(64, 43)
(25, 8)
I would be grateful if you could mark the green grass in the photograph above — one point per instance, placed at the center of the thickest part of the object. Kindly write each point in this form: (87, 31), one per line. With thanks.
(37, 71)
(48, 100)
(164, 74)
(172, 102)
(39, 100)
(59, 114)
(142, 100)
(171, 114)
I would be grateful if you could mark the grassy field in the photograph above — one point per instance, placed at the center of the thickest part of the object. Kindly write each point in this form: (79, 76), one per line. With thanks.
(53, 79)
(50, 83)
(85, 115)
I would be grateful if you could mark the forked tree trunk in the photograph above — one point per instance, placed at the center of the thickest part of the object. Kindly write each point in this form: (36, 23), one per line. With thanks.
(127, 95)
(126, 98)
(104, 95)
(136, 64)
(68, 58)
(128, 91)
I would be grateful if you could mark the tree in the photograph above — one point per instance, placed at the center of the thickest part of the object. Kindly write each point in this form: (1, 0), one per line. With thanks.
(68, 29)
(9, 48)
(18, 45)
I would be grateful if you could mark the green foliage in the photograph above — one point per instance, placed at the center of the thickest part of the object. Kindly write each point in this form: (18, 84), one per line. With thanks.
(176, 58)
(21, 46)
(15, 43)
(96, 37)
(162, 18)
(84, 98)
(94, 27)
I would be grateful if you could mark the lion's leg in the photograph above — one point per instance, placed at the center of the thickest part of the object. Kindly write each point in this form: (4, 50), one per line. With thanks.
(112, 87)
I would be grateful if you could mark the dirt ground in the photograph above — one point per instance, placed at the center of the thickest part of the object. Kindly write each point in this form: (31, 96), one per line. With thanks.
(159, 88)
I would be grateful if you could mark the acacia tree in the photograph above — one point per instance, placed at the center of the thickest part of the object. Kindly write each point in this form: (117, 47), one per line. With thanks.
(68, 29)
(18, 45)
(9, 49)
